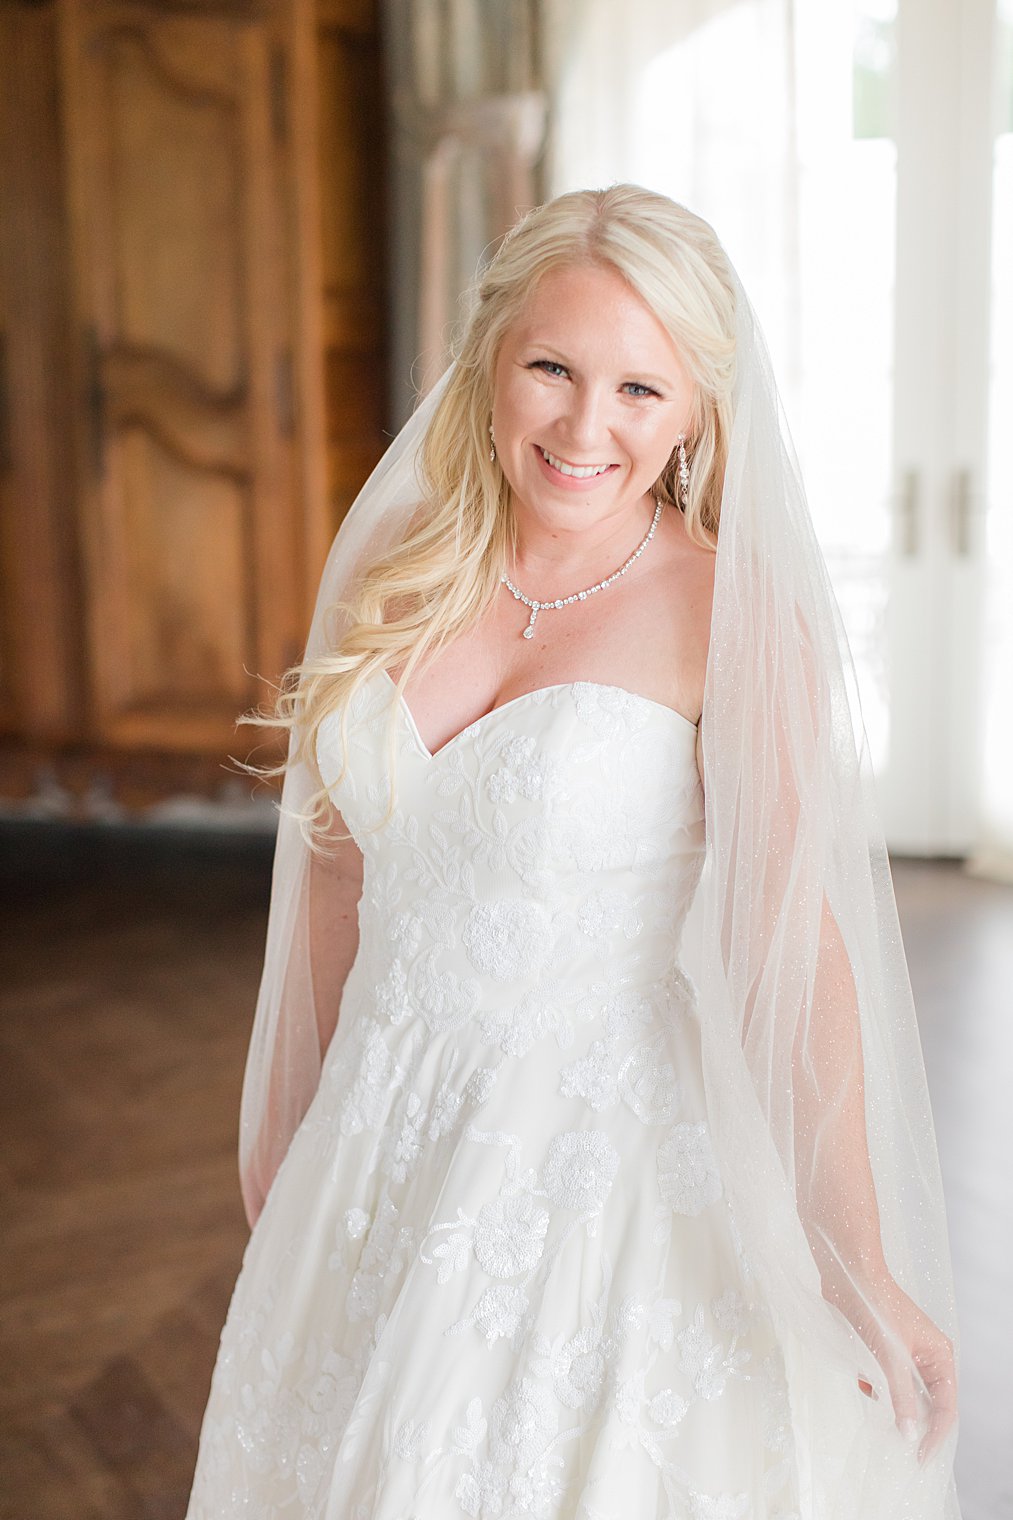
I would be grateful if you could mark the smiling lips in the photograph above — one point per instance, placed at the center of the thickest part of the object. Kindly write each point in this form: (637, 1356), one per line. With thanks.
(577, 471)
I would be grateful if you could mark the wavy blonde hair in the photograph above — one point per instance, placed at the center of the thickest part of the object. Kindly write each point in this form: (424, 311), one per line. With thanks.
(444, 573)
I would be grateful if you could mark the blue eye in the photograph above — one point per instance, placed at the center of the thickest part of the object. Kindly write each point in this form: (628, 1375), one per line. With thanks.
(552, 367)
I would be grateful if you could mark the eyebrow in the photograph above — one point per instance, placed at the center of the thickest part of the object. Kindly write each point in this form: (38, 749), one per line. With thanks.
(550, 351)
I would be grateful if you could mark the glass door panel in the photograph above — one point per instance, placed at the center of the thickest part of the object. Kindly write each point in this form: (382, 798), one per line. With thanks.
(843, 153)
(996, 778)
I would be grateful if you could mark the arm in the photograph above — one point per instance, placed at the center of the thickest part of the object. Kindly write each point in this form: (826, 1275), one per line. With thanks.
(834, 1182)
(836, 1193)
(328, 929)
(334, 891)
(798, 998)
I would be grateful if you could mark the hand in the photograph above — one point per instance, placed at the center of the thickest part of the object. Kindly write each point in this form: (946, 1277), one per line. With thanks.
(901, 1336)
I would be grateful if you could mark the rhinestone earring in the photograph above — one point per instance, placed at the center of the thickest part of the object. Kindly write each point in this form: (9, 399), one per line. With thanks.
(683, 473)
(492, 445)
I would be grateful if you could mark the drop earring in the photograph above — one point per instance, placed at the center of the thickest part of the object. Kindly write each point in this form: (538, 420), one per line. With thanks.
(492, 445)
(683, 473)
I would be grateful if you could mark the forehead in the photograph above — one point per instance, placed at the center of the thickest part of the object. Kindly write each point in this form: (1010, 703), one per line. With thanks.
(589, 303)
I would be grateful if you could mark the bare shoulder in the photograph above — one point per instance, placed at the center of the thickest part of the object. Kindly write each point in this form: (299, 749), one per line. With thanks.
(685, 616)
(693, 568)
(677, 598)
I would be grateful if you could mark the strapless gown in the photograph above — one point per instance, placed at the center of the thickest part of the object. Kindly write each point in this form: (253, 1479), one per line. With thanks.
(497, 1274)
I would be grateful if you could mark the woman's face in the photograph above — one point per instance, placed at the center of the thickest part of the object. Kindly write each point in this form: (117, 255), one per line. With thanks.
(590, 396)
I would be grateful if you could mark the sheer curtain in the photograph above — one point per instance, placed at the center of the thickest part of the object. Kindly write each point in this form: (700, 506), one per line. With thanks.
(697, 100)
(743, 109)
(993, 853)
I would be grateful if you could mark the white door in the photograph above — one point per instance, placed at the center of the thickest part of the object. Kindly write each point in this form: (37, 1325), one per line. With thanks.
(898, 110)
(845, 155)
(946, 128)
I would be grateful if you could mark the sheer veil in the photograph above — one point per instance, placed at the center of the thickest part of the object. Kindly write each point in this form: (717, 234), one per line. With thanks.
(816, 1090)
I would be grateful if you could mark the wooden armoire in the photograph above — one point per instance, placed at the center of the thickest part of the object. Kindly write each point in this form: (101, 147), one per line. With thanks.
(192, 370)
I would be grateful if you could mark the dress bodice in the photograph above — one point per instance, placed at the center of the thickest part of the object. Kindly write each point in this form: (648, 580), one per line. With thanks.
(554, 843)
(497, 1273)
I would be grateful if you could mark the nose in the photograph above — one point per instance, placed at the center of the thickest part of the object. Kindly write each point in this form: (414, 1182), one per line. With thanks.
(586, 425)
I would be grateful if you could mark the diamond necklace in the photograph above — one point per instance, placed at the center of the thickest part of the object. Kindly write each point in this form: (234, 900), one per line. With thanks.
(580, 596)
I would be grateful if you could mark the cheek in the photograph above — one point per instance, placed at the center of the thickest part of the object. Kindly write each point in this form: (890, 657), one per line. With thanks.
(651, 443)
(519, 413)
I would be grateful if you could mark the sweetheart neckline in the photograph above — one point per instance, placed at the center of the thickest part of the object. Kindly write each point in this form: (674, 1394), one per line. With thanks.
(523, 696)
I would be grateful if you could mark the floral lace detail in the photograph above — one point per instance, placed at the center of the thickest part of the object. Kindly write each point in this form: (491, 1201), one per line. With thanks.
(642, 1077)
(688, 1176)
(499, 1312)
(511, 1479)
(706, 1361)
(515, 1454)
(364, 1106)
(518, 1028)
(489, 1280)
(592, 1078)
(580, 1168)
(288, 1417)
(577, 1367)
(523, 773)
(510, 1234)
(404, 1144)
(356, 1221)
(507, 939)
(605, 911)
(388, 1245)
(608, 712)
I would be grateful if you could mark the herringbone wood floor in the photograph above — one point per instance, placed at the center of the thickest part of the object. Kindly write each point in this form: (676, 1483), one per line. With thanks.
(128, 979)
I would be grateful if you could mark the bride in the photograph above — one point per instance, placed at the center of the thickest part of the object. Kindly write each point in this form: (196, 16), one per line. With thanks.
(585, 1139)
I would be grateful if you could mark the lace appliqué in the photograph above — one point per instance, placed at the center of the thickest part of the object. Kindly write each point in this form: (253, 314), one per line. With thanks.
(505, 1174)
(688, 1176)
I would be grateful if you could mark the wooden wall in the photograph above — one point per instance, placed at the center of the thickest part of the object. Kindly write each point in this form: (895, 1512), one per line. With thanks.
(192, 337)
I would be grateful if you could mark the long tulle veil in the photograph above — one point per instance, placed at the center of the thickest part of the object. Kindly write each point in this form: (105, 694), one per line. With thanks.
(816, 1089)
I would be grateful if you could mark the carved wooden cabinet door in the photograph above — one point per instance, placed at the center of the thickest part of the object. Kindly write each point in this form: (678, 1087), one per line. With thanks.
(201, 525)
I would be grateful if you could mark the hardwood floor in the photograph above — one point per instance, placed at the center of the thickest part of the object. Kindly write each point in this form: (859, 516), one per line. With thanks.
(959, 937)
(128, 976)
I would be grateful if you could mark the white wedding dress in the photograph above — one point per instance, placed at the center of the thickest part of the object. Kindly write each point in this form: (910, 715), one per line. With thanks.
(497, 1274)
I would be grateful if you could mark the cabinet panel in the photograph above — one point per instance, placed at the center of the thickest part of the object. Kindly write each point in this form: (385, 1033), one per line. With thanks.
(42, 664)
(192, 336)
(353, 246)
(186, 439)
(174, 160)
(183, 533)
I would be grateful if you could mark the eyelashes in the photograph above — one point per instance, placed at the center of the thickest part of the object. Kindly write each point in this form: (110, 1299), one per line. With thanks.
(635, 388)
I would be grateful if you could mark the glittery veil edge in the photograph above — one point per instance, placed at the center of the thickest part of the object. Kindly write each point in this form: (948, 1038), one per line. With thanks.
(816, 1090)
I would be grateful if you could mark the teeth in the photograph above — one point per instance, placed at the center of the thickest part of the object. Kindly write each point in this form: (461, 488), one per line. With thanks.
(580, 472)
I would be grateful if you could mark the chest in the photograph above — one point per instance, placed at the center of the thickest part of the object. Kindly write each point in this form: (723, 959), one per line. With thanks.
(630, 643)
(563, 776)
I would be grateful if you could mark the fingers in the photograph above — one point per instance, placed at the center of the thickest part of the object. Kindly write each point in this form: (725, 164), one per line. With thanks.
(903, 1395)
(941, 1421)
(939, 1376)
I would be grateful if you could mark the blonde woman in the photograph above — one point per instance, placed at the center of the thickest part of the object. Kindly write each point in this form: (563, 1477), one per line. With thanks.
(585, 1139)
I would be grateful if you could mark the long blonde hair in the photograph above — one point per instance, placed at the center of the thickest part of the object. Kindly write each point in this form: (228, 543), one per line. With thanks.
(444, 573)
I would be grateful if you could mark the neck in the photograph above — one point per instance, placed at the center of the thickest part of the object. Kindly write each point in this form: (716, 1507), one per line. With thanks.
(549, 557)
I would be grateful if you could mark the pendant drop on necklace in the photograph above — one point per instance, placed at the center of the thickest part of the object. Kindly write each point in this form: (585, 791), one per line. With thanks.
(579, 596)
